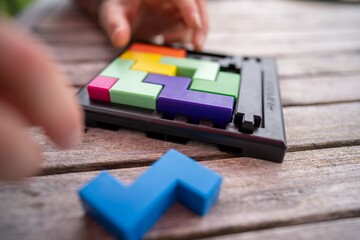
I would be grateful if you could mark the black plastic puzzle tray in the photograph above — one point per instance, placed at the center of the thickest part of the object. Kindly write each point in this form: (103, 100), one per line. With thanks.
(176, 95)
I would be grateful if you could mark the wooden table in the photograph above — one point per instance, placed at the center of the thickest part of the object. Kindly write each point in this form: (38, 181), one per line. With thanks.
(314, 194)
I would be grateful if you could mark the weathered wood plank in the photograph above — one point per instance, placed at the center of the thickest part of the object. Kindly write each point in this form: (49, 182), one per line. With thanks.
(73, 53)
(284, 37)
(309, 186)
(116, 149)
(280, 50)
(283, 23)
(346, 229)
(312, 127)
(306, 128)
(320, 90)
(92, 36)
(282, 9)
(68, 16)
(327, 63)
(37, 11)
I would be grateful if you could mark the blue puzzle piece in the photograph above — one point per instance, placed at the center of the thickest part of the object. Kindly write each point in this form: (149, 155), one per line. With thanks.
(129, 212)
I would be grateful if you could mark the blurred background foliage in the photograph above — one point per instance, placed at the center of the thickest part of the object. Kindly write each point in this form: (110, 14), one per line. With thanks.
(10, 8)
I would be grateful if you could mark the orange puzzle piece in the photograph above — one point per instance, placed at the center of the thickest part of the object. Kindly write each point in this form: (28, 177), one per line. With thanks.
(165, 51)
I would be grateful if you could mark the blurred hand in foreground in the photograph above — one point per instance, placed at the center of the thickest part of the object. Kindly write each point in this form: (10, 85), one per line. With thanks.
(32, 92)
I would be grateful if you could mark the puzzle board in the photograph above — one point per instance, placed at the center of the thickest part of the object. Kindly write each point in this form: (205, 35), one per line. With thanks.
(174, 94)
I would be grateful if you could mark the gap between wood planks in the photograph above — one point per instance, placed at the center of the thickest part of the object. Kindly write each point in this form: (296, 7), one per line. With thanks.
(52, 170)
(326, 229)
(119, 165)
(320, 103)
(273, 228)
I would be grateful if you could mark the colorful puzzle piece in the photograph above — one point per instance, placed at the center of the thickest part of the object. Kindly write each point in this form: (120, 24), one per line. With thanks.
(99, 88)
(148, 62)
(165, 51)
(177, 99)
(129, 212)
(130, 88)
(226, 83)
(206, 94)
(193, 68)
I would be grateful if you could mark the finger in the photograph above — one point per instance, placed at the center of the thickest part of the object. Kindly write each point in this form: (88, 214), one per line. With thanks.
(190, 12)
(200, 34)
(183, 35)
(203, 15)
(19, 156)
(113, 19)
(31, 83)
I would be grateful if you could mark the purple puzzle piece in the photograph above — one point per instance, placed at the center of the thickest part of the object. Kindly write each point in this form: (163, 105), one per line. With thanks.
(176, 98)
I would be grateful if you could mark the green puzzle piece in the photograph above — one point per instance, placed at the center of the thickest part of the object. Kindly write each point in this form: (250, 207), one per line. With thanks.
(193, 68)
(226, 84)
(130, 88)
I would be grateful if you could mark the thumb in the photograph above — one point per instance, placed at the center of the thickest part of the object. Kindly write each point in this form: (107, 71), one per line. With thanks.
(113, 19)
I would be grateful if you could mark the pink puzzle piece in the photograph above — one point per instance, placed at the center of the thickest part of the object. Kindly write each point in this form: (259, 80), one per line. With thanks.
(99, 88)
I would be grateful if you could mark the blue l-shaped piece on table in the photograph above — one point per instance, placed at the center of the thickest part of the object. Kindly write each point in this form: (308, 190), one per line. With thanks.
(129, 212)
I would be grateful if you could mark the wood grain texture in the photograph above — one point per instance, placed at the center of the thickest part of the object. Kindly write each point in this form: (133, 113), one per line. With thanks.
(316, 44)
(37, 11)
(67, 16)
(306, 128)
(106, 149)
(320, 90)
(73, 54)
(327, 63)
(255, 195)
(347, 229)
(311, 127)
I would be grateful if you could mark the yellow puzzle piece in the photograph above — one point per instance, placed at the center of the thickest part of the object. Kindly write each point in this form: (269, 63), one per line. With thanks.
(149, 62)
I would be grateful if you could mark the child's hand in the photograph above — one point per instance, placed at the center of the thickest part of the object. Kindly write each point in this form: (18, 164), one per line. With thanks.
(32, 92)
(182, 21)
